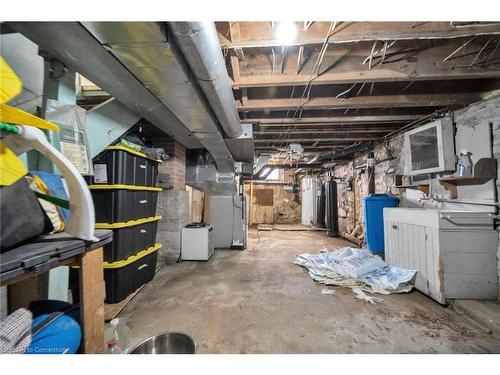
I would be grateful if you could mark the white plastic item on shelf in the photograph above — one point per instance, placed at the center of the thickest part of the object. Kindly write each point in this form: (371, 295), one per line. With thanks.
(81, 221)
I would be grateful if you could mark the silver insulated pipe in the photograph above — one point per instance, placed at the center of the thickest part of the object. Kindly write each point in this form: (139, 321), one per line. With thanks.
(200, 46)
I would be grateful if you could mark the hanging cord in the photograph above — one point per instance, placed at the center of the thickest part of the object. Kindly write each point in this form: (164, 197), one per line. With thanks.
(257, 243)
(281, 141)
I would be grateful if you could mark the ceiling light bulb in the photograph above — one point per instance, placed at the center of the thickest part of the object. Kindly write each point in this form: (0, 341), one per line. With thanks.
(286, 33)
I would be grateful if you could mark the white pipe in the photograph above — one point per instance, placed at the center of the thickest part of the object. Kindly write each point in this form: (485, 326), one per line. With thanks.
(492, 204)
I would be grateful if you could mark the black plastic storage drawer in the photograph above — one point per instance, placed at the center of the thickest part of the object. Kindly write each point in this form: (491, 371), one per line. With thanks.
(118, 165)
(129, 238)
(114, 205)
(124, 277)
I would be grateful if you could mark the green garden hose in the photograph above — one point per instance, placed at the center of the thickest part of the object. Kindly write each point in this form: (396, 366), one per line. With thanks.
(10, 128)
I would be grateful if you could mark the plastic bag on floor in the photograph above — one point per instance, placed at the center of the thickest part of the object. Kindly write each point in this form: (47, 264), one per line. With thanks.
(353, 267)
(327, 292)
(355, 263)
(390, 279)
(360, 294)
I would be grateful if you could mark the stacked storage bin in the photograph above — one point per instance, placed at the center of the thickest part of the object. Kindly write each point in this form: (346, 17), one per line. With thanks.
(125, 201)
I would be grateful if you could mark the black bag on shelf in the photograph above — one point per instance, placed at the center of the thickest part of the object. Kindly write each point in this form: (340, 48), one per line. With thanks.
(21, 215)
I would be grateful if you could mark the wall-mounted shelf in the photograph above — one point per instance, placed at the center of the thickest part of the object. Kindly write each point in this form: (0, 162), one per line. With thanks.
(422, 187)
(483, 171)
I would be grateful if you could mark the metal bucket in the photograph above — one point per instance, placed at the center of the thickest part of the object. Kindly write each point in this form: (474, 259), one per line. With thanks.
(166, 343)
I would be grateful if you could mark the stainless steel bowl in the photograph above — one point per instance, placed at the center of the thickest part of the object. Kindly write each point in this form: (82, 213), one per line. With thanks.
(166, 343)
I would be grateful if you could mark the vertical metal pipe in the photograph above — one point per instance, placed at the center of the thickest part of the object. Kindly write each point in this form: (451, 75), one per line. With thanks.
(332, 215)
(370, 169)
(320, 207)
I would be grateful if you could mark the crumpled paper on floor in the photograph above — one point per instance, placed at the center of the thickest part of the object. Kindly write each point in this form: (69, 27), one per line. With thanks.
(326, 292)
(360, 294)
(352, 267)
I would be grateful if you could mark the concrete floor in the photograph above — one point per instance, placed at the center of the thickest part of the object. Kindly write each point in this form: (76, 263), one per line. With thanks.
(260, 302)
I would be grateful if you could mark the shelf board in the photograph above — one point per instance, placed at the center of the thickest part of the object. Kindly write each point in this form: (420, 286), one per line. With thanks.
(423, 187)
(466, 180)
(415, 186)
(450, 183)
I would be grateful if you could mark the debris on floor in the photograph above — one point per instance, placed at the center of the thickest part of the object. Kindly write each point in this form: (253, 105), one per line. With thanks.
(360, 294)
(352, 267)
(326, 291)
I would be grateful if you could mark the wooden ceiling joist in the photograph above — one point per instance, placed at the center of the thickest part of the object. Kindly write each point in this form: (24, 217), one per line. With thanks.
(364, 75)
(382, 101)
(373, 79)
(261, 34)
(341, 138)
(405, 61)
(324, 132)
(338, 120)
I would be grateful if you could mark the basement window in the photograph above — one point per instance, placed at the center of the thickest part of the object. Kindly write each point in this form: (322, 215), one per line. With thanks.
(274, 175)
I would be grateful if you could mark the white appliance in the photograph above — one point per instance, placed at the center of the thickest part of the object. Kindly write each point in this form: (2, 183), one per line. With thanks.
(454, 252)
(227, 213)
(197, 241)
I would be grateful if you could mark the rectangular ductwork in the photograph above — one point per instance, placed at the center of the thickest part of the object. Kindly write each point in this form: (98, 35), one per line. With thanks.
(141, 66)
(146, 50)
(73, 45)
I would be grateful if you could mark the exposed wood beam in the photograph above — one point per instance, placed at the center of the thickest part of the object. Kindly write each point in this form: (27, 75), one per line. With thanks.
(261, 34)
(306, 147)
(244, 97)
(339, 119)
(364, 75)
(235, 67)
(325, 132)
(309, 128)
(405, 61)
(291, 138)
(395, 101)
(234, 32)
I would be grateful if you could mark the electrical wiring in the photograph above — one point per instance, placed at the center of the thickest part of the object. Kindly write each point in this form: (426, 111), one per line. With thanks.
(307, 87)
(256, 244)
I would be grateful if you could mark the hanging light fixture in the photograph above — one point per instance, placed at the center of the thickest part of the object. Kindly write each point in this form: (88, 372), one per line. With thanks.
(286, 33)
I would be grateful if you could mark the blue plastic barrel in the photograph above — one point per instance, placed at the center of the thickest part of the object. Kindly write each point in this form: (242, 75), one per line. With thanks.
(373, 206)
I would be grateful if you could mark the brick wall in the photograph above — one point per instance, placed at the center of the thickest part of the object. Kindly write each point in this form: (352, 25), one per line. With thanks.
(175, 166)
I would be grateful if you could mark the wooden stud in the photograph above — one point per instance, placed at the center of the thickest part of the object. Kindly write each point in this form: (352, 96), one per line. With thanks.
(22, 293)
(235, 67)
(92, 301)
(244, 96)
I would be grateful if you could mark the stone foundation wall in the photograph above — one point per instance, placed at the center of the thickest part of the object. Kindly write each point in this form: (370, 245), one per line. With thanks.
(389, 162)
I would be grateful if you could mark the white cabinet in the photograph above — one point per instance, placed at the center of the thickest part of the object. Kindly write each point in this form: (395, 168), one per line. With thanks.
(454, 252)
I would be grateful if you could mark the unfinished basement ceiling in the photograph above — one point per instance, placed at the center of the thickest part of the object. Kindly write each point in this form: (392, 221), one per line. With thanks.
(340, 84)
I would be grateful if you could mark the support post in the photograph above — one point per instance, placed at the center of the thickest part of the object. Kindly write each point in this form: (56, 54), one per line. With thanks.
(92, 301)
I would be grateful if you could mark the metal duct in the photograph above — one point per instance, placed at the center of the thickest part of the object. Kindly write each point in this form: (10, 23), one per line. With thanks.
(200, 46)
(313, 160)
(271, 167)
(73, 45)
(147, 51)
(202, 174)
